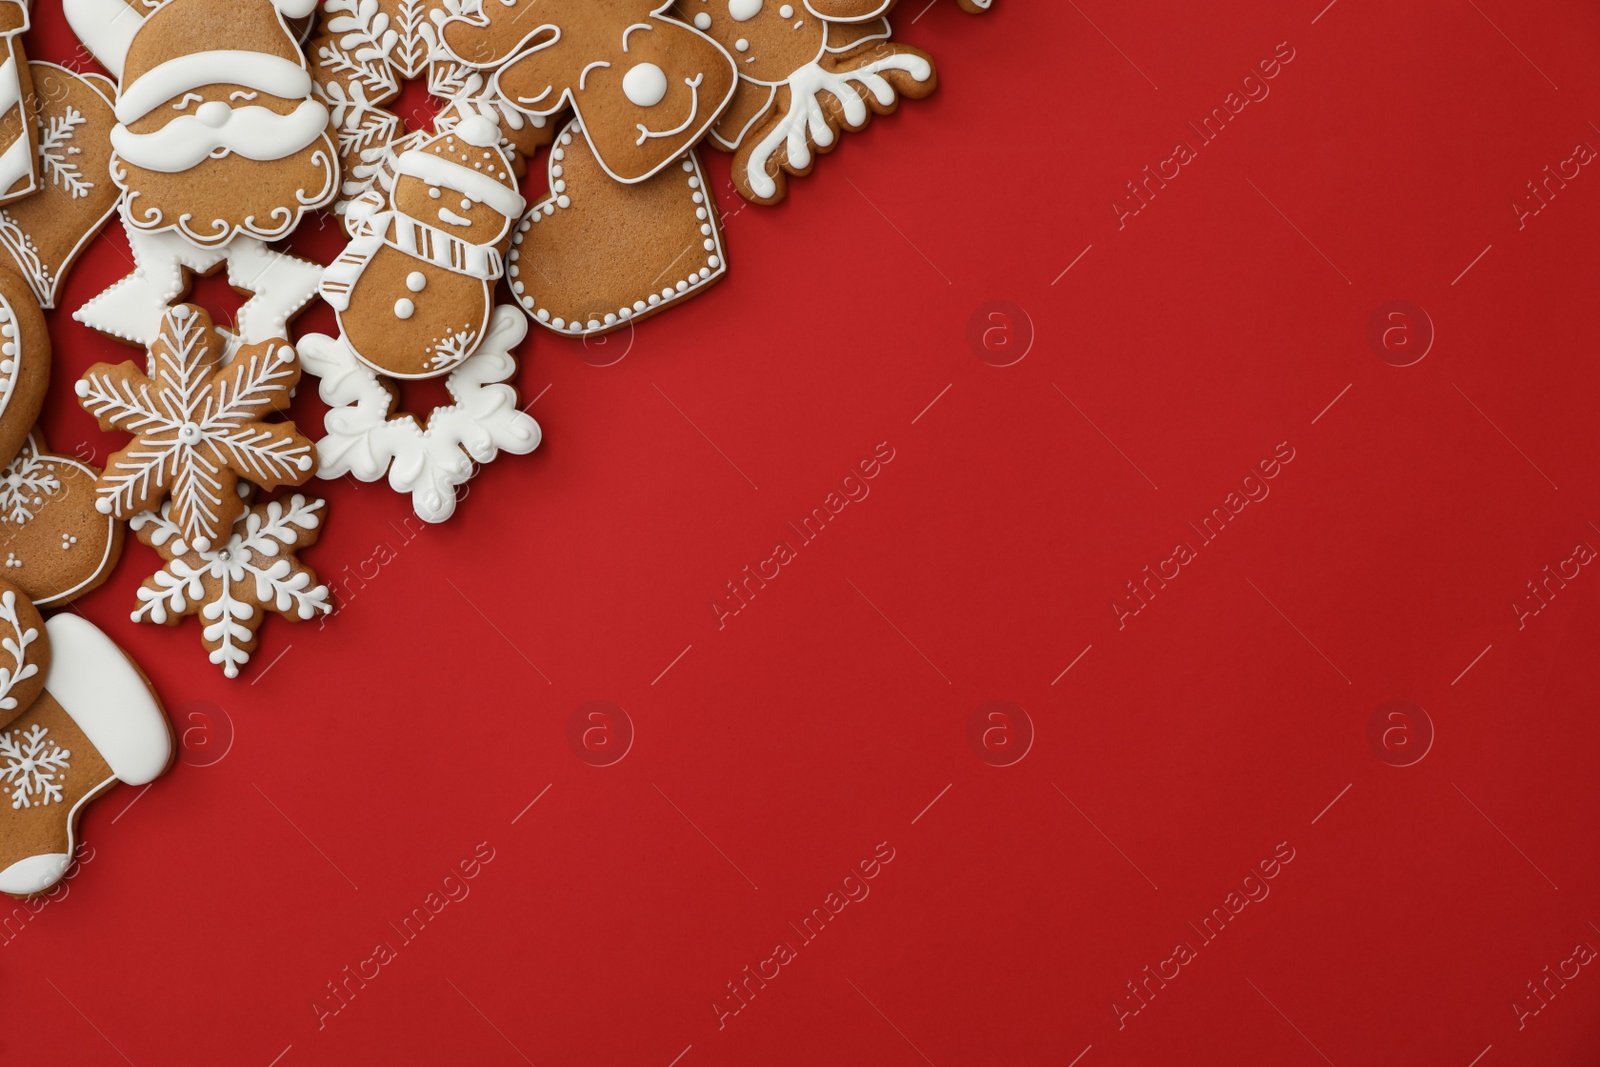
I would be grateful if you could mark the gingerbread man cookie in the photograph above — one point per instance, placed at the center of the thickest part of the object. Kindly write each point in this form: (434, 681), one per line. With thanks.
(805, 73)
(414, 287)
(96, 722)
(217, 131)
(198, 428)
(55, 543)
(645, 87)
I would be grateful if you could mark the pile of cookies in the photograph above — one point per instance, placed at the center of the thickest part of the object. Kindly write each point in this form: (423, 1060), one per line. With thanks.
(227, 124)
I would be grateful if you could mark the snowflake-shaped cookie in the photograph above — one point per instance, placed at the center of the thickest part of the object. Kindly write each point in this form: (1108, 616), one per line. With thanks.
(429, 462)
(33, 767)
(198, 428)
(234, 586)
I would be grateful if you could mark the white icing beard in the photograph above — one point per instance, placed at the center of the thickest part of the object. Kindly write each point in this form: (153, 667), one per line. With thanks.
(216, 130)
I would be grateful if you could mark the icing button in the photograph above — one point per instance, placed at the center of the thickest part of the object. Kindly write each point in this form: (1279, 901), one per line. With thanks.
(190, 433)
(404, 309)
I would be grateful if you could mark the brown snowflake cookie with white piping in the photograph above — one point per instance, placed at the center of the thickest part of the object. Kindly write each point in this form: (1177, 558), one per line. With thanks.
(806, 71)
(45, 233)
(414, 287)
(646, 88)
(218, 134)
(598, 255)
(234, 584)
(24, 362)
(198, 427)
(54, 543)
(96, 723)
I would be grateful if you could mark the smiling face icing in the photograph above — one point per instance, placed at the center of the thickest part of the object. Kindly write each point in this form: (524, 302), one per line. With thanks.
(646, 87)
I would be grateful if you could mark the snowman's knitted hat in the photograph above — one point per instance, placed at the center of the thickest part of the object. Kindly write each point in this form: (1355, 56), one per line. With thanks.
(171, 54)
(467, 158)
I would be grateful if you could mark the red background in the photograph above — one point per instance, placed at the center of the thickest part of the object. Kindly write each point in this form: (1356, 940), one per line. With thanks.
(361, 762)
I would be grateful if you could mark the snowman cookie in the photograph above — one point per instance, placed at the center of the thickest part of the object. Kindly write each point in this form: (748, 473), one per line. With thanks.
(217, 132)
(96, 723)
(414, 287)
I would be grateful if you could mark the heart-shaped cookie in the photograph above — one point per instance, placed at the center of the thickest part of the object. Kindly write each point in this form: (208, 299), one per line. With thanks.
(44, 233)
(55, 545)
(598, 254)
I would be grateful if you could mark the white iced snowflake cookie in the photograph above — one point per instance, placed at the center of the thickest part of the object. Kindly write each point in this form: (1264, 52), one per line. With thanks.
(430, 459)
(96, 723)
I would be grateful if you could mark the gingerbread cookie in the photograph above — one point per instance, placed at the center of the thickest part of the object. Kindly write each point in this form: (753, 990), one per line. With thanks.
(975, 7)
(804, 74)
(430, 458)
(56, 544)
(646, 88)
(217, 131)
(24, 362)
(597, 255)
(96, 723)
(198, 427)
(45, 233)
(24, 652)
(19, 132)
(362, 56)
(234, 584)
(414, 287)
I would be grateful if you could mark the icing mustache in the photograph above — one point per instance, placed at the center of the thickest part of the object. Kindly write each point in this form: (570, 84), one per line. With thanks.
(215, 129)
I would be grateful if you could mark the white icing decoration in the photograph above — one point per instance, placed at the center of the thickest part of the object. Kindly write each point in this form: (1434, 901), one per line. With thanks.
(645, 133)
(273, 75)
(435, 170)
(404, 309)
(645, 84)
(251, 131)
(744, 10)
(54, 147)
(32, 764)
(416, 281)
(27, 483)
(15, 644)
(103, 693)
(702, 21)
(429, 463)
(132, 309)
(106, 27)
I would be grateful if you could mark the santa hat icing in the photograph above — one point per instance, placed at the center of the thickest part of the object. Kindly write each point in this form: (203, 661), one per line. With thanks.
(468, 159)
(109, 28)
(169, 56)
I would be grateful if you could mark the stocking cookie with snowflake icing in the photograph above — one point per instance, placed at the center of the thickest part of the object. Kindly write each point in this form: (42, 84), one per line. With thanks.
(645, 87)
(414, 287)
(45, 232)
(234, 584)
(198, 427)
(218, 133)
(56, 545)
(806, 71)
(96, 723)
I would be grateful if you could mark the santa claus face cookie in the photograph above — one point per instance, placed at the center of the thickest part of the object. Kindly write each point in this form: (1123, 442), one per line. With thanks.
(217, 132)
(413, 288)
(646, 88)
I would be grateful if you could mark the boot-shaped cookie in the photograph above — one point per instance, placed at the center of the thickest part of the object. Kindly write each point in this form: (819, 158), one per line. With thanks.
(97, 723)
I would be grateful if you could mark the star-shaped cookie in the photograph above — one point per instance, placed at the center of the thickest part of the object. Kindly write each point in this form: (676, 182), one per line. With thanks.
(198, 427)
